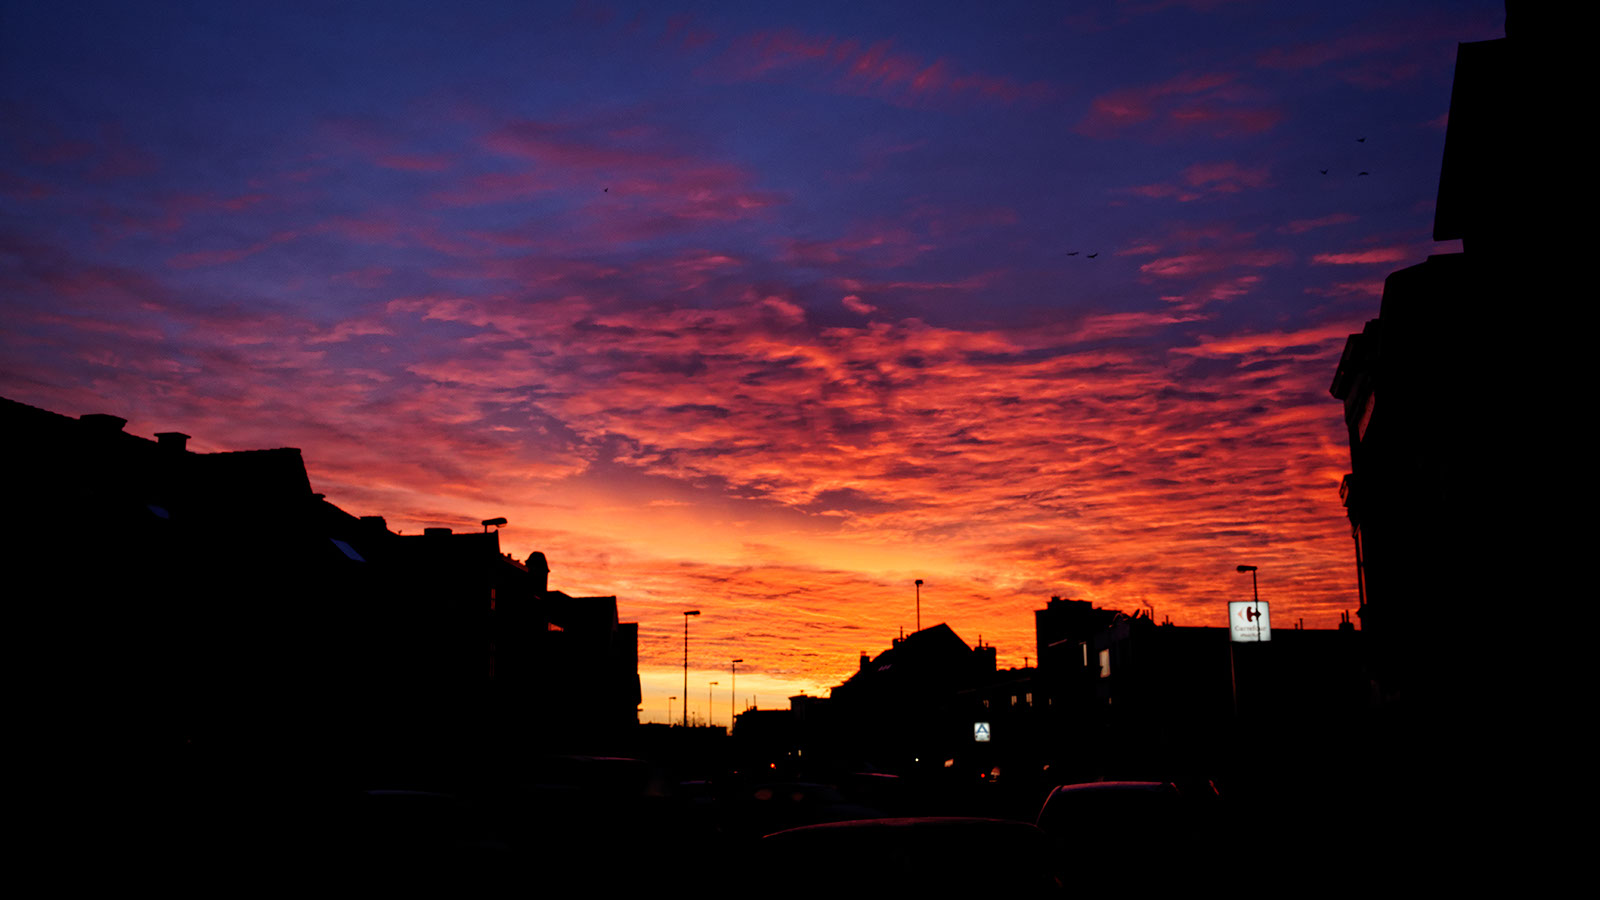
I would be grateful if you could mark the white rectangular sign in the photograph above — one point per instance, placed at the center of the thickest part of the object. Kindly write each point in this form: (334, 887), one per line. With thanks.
(1248, 621)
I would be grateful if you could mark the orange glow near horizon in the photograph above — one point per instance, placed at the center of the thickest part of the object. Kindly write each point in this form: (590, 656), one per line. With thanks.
(1000, 480)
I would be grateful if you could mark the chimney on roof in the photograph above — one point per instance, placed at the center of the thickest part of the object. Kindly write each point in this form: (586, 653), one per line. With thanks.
(985, 659)
(175, 441)
(539, 568)
(103, 423)
(865, 659)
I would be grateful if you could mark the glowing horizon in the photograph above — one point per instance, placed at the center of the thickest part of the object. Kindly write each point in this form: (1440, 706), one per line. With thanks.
(763, 313)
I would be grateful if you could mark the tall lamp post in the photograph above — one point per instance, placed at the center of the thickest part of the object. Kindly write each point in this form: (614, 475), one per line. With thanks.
(919, 604)
(711, 698)
(686, 615)
(733, 692)
(1255, 590)
(669, 710)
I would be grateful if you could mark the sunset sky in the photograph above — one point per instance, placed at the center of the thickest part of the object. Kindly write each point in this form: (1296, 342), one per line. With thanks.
(761, 309)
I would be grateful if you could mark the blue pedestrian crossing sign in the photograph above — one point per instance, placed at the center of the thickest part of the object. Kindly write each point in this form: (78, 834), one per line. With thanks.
(980, 731)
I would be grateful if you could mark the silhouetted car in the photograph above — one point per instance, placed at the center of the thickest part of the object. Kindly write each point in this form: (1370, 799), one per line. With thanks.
(1073, 807)
(767, 807)
(1180, 828)
(920, 856)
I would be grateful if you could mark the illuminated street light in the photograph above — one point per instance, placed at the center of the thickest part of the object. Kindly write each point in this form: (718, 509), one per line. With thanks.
(686, 615)
(919, 604)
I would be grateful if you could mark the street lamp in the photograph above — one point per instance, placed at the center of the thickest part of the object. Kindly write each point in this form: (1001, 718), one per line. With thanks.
(686, 615)
(711, 697)
(919, 604)
(733, 692)
(1255, 589)
(669, 711)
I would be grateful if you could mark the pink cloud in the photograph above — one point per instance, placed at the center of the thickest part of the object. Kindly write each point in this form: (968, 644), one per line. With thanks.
(639, 191)
(1202, 179)
(1215, 101)
(1214, 260)
(1363, 257)
(118, 159)
(494, 187)
(23, 189)
(368, 277)
(1141, 248)
(1268, 343)
(1161, 191)
(682, 34)
(1376, 75)
(1349, 288)
(416, 162)
(1301, 226)
(202, 258)
(857, 305)
(1317, 53)
(1174, 266)
(1225, 176)
(877, 70)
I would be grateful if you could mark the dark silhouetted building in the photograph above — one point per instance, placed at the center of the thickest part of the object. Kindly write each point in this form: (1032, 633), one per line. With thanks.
(897, 708)
(211, 608)
(1447, 415)
(1462, 414)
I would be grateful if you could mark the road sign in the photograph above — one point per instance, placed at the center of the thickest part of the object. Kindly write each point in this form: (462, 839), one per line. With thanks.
(1248, 621)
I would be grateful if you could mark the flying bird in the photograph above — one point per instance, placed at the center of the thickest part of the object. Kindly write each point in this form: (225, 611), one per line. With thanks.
(1323, 171)
(1363, 173)
(1361, 140)
(1093, 255)
(1072, 253)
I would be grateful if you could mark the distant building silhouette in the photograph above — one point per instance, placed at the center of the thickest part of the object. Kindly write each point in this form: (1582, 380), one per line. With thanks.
(896, 708)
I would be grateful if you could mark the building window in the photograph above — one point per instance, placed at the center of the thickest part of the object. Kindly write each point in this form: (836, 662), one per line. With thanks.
(1105, 663)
